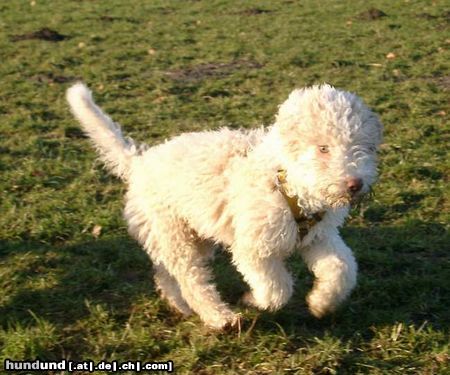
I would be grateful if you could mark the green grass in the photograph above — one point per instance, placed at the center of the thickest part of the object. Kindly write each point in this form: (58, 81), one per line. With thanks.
(164, 67)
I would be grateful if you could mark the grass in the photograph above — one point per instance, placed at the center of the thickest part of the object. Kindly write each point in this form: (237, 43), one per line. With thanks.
(72, 283)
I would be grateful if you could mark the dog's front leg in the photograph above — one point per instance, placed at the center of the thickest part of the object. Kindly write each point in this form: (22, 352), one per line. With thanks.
(335, 269)
(270, 282)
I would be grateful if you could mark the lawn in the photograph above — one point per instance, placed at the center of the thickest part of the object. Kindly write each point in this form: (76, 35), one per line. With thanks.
(73, 284)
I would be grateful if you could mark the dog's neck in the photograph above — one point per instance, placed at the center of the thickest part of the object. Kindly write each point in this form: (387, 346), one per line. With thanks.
(269, 154)
(304, 220)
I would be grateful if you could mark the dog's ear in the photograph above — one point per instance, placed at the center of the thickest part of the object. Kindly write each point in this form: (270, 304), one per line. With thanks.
(290, 108)
(289, 123)
(373, 126)
(379, 127)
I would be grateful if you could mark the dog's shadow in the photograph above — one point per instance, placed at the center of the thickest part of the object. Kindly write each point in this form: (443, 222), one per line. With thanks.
(113, 272)
(403, 277)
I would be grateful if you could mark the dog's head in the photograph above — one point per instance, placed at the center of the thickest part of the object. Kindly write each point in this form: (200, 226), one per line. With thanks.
(328, 139)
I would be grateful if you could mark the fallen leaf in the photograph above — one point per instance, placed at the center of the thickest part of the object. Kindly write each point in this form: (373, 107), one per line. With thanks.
(391, 56)
(97, 230)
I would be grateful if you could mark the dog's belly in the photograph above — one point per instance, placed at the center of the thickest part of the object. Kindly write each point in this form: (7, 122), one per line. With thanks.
(212, 222)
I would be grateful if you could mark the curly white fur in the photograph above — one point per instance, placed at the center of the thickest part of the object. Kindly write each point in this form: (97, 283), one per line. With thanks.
(220, 187)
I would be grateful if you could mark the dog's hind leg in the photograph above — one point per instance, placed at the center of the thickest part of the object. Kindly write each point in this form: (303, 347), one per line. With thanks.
(170, 290)
(185, 258)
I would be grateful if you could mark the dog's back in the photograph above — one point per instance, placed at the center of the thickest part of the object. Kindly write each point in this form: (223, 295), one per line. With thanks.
(190, 176)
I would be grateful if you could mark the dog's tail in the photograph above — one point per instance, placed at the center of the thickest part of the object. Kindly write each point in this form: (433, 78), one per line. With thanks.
(115, 151)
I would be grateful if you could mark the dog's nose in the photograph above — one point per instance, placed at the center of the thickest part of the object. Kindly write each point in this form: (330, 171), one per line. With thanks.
(354, 185)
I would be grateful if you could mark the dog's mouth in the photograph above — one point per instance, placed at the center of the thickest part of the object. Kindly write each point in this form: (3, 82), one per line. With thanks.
(362, 197)
(346, 199)
(341, 201)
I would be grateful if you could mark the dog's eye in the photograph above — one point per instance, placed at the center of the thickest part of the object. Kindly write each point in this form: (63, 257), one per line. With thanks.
(324, 149)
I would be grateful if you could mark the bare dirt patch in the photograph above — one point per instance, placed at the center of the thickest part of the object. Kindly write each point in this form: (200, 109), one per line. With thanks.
(371, 14)
(45, 33)
(203, 71)
(444, 83)
(254, 11)
(50, 77)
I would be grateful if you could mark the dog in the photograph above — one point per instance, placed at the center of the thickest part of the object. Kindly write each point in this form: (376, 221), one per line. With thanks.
(262, 194)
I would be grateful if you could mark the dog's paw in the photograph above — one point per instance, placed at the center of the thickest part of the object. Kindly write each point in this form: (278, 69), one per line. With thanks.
(270, 302)
(248, 300)
(225, 323)
(233, 325)
(317, 306)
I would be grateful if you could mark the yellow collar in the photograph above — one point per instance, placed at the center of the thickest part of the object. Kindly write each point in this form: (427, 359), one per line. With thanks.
(305, 222)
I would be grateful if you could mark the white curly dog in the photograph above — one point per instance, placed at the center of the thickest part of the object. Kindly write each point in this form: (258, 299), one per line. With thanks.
(260, 193)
